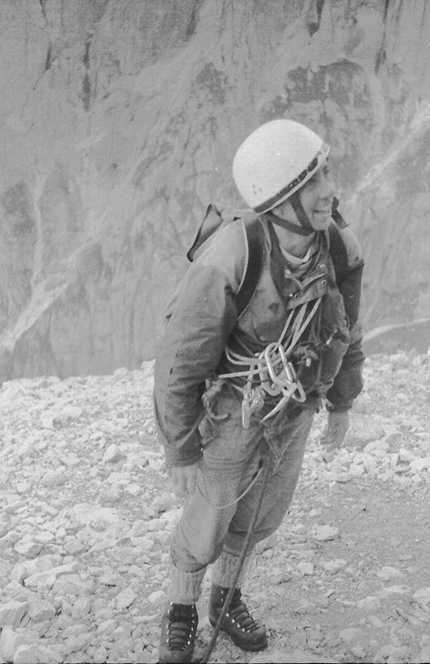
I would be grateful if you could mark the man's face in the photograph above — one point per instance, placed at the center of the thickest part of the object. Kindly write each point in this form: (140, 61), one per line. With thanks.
(316, 197)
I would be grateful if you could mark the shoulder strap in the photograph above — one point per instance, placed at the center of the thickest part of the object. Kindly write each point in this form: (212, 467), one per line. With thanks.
(254, 263)
(337, 246)
(337, 252)
(211, 222)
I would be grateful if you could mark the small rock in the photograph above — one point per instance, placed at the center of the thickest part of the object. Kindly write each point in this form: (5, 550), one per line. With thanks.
(304, 606)
(133, 489)
(11, 640)
(74, 547)
(66, 416)
(145, 544)
(54, 477)
(158, 524)
(422, 596)
(75, 629)
(356, 470)
(81, 608)
(46, 421)
(156, 596)
(358, 651)
(48, 655)
(399, 654)
(71, 584)
(11, 508)
(100, 655)
(77, 643)
(376, 622)
(125, 598)
(307, 569)
(420, 464)
(28, 548)
(363, 431)
(424, 656)
(44, 537)
(47, 578)
(384, 652)
(387, 573)
(335, 566)
(322, 601)
(350, 634)
(107, 627)
(25, 654)
(49, 509)
(343, 478)
(324, 533)
(40, 609)
(110, 496)
(163, 503)
(110, 578)
(12, 613)
(9, 538)
(112, 454)
(395, 590)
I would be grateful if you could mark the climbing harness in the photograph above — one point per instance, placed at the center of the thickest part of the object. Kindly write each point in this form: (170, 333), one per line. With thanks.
(271, 371)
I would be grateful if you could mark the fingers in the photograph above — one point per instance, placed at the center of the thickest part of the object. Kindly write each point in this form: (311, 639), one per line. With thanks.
(336, 430)
(184, 480)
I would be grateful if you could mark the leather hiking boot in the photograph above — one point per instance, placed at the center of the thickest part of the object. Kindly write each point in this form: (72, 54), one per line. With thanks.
(241, 627)
(178, 634)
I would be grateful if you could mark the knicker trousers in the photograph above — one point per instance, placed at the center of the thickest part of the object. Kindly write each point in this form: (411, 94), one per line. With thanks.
(214, 521)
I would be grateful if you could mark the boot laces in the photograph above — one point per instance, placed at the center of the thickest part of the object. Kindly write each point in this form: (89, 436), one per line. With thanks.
(182, 625)
(239, 614)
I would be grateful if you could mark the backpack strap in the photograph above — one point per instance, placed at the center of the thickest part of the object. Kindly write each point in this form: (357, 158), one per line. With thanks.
(211, 222)
(338, 252)
(254, 263)
(254, 247)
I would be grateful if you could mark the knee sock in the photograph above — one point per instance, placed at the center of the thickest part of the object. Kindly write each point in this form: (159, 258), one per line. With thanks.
(224, 569)
(185, 587)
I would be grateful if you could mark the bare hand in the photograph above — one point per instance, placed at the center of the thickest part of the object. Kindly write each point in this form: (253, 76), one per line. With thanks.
(336, 430)
(184, 479)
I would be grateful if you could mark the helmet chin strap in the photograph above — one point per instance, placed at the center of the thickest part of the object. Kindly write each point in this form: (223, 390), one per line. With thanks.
(301, 215)
(288, 225)
(305, 227)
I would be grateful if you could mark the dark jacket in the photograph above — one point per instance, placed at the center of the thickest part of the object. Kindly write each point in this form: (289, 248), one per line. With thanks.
(202, 320)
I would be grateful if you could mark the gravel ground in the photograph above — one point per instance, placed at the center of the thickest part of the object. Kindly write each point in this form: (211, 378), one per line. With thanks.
(87, 513)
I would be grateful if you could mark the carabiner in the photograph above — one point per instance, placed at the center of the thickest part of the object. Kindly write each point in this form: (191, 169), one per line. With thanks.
(284, 377)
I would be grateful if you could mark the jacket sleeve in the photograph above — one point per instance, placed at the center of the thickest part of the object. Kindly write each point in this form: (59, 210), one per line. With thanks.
(189, 351)
(348, 382)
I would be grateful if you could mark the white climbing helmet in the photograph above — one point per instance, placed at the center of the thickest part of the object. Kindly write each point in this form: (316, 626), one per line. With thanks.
(275, 161)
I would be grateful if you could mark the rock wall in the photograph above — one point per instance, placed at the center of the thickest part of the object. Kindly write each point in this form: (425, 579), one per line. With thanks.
(119, 122)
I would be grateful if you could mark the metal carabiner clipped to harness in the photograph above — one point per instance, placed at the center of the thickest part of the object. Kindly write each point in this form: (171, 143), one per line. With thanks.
(284, 376)
(286, 380)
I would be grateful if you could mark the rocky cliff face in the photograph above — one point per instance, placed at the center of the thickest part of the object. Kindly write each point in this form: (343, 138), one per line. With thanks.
(118, 125)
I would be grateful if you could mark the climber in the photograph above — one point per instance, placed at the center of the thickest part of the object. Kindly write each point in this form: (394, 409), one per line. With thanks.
(231, 385)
